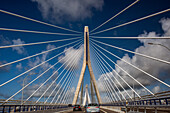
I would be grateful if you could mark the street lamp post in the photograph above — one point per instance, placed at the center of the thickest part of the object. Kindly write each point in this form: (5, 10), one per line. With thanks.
(23, 86)
(159, 45)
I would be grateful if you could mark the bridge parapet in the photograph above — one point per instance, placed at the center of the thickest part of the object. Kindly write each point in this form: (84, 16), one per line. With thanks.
(160, 100)
(28, 108)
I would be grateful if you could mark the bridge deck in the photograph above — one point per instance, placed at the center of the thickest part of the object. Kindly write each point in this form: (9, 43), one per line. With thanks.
(69, 110)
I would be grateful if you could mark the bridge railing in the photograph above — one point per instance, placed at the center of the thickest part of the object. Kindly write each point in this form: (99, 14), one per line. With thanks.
(160, 99)
(24, 108)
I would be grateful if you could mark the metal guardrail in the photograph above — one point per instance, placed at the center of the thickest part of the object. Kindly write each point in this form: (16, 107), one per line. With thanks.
(157, 102)
(24, 108)
(161, 99)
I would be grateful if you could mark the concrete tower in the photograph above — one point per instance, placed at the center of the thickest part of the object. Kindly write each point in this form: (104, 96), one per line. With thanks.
(86, 62)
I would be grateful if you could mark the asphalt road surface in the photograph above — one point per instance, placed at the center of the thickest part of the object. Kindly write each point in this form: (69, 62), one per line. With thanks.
(83, 111)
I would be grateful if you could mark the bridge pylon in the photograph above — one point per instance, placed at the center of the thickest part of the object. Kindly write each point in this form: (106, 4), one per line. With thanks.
(86, 62)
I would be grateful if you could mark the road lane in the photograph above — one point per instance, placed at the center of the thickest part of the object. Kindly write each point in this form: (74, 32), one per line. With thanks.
(101, 111)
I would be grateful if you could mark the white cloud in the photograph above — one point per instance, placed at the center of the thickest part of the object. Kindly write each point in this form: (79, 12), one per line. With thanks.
(20, 50)
(70, 55)
(156, 89)
(38, 60)
(70, 10)
(4, 41)
(157, 69)
(153, 67)
(165, 26)
(44, 57)
(19, 66)
(4, 69)
(31, 89)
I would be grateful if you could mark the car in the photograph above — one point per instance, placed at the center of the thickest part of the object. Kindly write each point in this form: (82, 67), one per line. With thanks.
(93, 108)
(85, 106)
(69, 105)
(77, 108)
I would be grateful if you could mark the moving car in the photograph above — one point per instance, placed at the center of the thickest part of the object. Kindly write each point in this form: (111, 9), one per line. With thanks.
(77, 108)
(69, 105)
(93, 107)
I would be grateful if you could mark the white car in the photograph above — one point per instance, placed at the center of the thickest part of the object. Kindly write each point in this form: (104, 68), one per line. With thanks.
(93, 107)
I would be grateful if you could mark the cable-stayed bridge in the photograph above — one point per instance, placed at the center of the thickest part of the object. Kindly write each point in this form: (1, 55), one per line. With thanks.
(57, 77)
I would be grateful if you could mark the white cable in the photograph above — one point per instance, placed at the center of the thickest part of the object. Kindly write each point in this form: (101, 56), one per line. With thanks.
(65, 79)
(112, 73)
(30, 82)
(30, 69)
(64, 94)
(36, 54)
(44, 82)
(37, 32)
(109, 76)
(128, 75)
(131, 37)
(140, 54)
(65, 99)
(52, 91)
(61, 86)
(136, 68)
(68, 80)
(10, 13)
(107, 84)
(107, 79)
(133, 21)
(99, 69)
(67, 86)
(53, 82)
(37, 43)
(107, 90)
(115, 15)
(120, 76)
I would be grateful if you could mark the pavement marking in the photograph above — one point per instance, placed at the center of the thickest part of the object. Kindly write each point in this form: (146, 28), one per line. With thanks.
(111, 109)
(64, 111)
(103, 111)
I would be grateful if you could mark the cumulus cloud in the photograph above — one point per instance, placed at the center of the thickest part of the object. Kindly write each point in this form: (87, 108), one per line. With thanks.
(19, 66)
(4, 69)
(4, 41)
(70, 57)
(20, 50)
(156, 89)
(165, 26)
(31, 89)
(44, 57)
(157, 69)
(70, 10)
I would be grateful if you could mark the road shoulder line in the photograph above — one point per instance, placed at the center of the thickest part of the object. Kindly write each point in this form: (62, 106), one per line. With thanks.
(115, 110)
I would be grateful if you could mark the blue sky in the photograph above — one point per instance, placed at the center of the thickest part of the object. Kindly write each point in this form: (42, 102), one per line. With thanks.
(75, 15)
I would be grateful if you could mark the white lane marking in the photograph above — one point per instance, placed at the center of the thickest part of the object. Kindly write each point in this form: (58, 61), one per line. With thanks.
(64, 111)
(103, 111)
(111, 109)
